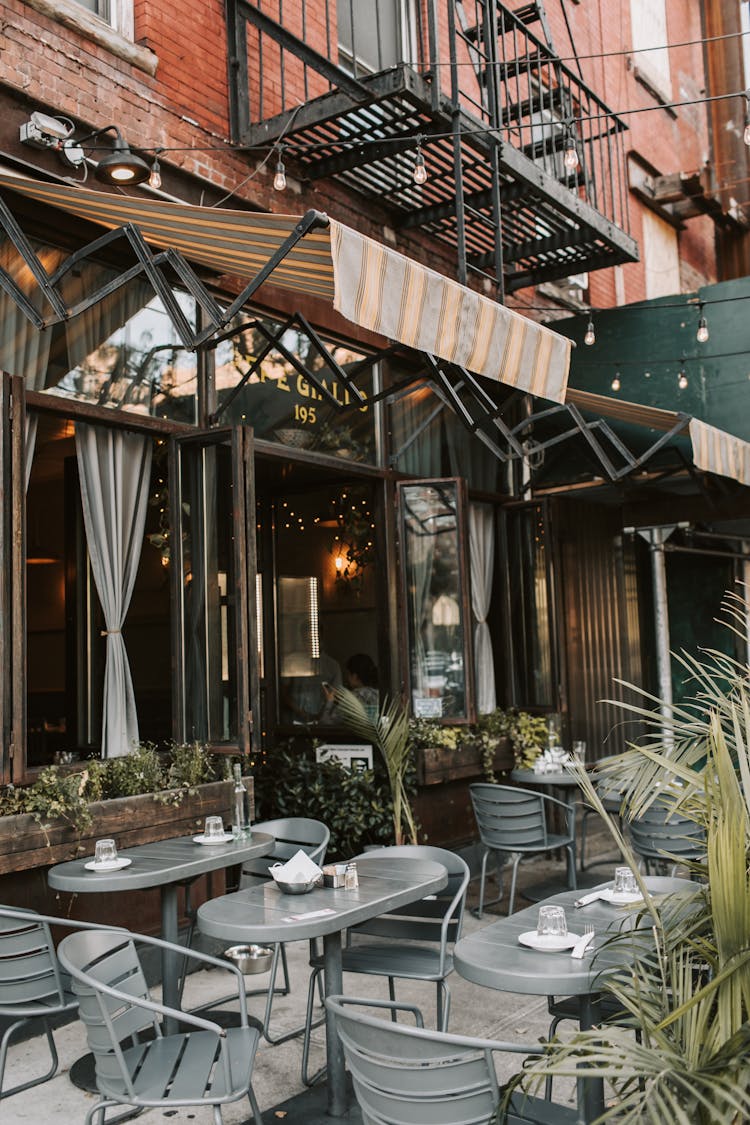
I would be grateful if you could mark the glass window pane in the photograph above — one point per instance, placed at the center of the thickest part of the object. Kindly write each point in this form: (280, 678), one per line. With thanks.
(530, 609)
(281, 405)
(434, 573)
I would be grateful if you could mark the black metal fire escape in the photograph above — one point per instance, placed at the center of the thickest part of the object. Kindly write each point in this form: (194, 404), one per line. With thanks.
(495, 109)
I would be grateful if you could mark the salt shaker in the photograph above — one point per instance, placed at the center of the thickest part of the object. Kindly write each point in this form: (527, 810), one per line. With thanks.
(351, 879)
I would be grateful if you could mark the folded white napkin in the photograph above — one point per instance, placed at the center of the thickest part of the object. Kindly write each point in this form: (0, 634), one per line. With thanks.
(299, 869)
(586, 899)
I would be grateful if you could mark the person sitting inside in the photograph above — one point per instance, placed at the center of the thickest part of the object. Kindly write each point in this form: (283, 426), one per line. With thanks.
(361, 676)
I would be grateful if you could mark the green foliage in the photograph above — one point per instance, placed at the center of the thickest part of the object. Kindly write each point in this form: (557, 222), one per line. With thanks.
(356, 806)
(685, 981)
(60, 794)
(527, 734)
(389, 734)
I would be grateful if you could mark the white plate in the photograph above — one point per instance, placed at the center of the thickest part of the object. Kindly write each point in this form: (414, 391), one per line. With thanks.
(548, 943)
(110, 865)
(225, 839)
(620, 898)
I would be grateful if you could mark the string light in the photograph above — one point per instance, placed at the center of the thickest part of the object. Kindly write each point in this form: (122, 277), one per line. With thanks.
(702, 334)
(570, 159)
(590, 337)
(682, 379)
(154, 179)
(420, 171)
(616, 382)
(279, 180)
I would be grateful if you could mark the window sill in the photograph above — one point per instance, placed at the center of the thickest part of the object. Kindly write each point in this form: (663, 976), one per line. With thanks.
(79, 19)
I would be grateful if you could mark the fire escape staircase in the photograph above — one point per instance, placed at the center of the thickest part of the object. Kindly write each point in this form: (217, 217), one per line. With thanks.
(494, 107)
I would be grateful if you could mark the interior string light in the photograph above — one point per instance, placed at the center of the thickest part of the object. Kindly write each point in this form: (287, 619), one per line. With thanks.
(616, 382)
(702, 334)
(420, 171)
(590, 337)
(279, 180)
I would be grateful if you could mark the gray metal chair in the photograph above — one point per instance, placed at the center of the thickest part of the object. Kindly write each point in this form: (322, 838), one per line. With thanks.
(31, 984)
(662, 838)
(205, 1065)
(406, 1075)
(416, 940)
(611, 796)
(514, 822)
(290, 835)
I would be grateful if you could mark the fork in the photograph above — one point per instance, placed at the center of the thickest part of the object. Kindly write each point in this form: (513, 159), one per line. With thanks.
(580, 947)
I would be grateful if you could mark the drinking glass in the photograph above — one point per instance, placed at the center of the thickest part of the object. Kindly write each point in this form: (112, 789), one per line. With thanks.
(105, 851)
(625, 881)
(552, 922)
(214, 827)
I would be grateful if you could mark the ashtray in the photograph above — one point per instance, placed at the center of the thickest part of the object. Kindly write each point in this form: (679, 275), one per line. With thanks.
(250, 959)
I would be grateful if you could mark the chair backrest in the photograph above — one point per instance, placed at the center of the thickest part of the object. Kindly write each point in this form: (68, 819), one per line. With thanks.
(96, 958)
(509, 818)
(29, 970)
(659, 833)
(291, 834)
(436, 918)
(416, 1076)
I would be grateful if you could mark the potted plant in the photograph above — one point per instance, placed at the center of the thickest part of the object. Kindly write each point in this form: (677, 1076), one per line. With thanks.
(686, 990)
(388, 732)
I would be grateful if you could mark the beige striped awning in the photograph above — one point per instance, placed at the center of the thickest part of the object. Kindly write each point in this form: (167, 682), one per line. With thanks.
(714, 450)
(368, 283)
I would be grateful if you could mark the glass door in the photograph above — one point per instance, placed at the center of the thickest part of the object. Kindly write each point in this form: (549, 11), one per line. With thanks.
(212, 506)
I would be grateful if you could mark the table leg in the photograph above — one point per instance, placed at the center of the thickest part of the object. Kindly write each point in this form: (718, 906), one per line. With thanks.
(169, 966)
(590, 1090)
(333, 985)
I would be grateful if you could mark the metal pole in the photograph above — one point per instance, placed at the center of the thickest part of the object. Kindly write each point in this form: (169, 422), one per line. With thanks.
(656, 538)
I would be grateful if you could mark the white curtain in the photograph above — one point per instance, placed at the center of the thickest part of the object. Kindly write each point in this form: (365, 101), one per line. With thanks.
(481, 562)
(114, 468)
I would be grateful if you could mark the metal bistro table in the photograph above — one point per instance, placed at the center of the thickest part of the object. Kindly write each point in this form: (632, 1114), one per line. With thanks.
(165, 864)
(263, 914)
(492, 957)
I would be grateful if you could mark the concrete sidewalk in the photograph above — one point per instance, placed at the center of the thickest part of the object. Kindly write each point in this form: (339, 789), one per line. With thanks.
(474, 1011)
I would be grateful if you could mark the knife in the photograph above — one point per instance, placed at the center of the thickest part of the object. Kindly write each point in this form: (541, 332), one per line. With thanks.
(586, 899)
(580, 947)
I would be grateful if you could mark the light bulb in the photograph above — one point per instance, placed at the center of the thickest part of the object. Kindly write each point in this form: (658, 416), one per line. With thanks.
(154, 179)
(590, 337)
(702, 333)
(616, 384)
(279, 180)
(682, 380)
(420, 172)
(746, 134)
(570, 159)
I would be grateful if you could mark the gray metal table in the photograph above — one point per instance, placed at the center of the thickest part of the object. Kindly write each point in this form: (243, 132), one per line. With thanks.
(493, 957)
(263, 914)
(164, 864)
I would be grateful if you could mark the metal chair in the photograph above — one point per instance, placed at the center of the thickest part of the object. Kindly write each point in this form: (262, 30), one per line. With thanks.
(416, 938)
(290, 834)
(611, 796)
(513, 822)
(205, 1065)
(663, 838)
(406, 1075)
(31, 984)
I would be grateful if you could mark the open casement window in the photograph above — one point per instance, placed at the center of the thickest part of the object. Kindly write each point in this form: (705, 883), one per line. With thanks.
(436, 606)
(12, 577)
(527, 582)
(213, 556)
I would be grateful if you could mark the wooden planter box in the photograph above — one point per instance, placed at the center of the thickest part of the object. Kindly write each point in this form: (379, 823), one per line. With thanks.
(437, 764)
(129, 820)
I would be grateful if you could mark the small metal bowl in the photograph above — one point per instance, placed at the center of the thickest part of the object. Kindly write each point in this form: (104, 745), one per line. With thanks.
(296, 888)
(250, 959)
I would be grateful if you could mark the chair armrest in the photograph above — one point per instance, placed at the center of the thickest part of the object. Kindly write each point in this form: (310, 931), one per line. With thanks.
(390, 1005)
(204, 958)
(160, 1009)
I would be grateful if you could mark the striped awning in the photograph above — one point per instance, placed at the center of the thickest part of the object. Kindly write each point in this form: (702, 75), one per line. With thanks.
(714, 450)
(368, 283)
